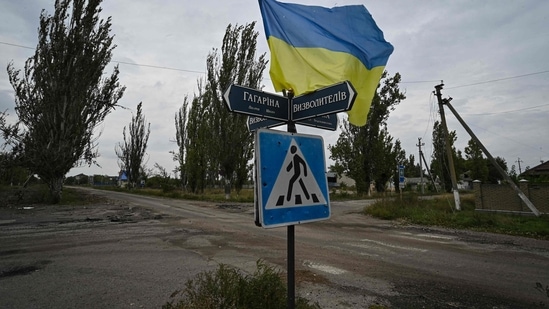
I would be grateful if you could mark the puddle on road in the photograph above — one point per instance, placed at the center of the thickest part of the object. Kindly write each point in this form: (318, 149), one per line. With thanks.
(20, 270)
(324, 268)
(393, 246)
(435, 238)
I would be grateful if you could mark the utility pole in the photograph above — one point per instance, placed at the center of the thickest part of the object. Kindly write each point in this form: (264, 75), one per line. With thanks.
(519, 161)
(429, 172)
(419, 144)
(521, 194)
(448, 146)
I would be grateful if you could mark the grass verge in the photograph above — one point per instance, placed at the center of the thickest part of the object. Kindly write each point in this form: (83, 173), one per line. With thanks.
(227, 287)
(39, 194)
(440, 212)
(211, 195)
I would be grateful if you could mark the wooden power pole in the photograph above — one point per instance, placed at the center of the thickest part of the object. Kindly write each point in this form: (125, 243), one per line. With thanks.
(448, 146)
(419, 144)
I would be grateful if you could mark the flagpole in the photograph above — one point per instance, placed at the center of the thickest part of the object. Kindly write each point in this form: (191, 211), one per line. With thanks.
(291, 228)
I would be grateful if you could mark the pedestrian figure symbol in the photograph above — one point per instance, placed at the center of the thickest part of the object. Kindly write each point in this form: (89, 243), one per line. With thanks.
(296, 163)
(295, 184)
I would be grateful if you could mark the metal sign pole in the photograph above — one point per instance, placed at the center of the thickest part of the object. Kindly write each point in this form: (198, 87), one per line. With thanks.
(291, 228)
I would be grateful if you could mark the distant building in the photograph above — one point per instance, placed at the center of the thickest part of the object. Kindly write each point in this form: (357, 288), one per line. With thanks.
(539, 171)
(332, 179)
(82, 179)
(337, 181)
(465, 181)
(122, 179)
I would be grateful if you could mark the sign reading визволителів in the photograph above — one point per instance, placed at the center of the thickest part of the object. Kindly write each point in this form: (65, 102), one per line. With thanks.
(328, 100)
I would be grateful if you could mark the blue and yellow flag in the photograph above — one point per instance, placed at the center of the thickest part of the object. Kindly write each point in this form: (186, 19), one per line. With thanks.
(314, 47)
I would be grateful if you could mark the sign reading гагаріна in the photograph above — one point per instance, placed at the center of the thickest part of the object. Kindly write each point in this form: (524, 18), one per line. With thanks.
(256, 103)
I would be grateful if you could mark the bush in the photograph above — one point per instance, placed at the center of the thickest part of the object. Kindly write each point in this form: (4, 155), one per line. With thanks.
(227, 287)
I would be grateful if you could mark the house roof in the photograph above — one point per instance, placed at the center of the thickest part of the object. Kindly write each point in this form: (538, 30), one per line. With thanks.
(539, 170)
(122, 176)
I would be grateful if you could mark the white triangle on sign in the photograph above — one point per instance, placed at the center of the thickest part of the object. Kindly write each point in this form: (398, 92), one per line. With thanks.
(295, 184)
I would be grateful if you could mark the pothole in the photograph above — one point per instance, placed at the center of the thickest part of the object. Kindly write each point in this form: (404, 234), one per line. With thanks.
(20, 270)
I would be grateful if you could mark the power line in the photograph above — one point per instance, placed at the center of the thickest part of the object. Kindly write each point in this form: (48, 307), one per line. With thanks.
(499, 79)
(430, 115)
(506, 112)
(157, 67)
(16, 45)
(420, 81)
(507, 137)
(123, 62)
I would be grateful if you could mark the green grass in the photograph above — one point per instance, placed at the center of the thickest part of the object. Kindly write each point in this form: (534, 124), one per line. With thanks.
(212, 195)
(228, 287)
(39, 194)
(440, 211)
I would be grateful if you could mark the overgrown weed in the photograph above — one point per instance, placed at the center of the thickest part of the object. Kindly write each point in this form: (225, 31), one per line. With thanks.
(228, 287)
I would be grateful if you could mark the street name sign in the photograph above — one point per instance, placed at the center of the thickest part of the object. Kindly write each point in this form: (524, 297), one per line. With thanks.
(256, 103)
(291, 182)
(255, 123)
(327, 122)
(328, 100)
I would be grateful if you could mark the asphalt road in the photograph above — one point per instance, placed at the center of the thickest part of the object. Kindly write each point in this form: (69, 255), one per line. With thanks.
(133, 252)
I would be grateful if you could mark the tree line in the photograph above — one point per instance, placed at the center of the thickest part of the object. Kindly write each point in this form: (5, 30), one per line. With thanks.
(61, 96)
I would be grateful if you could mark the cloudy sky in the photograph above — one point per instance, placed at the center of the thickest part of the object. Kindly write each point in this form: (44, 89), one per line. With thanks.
(491, 55)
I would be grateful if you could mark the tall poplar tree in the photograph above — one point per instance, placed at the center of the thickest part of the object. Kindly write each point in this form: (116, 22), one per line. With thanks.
(237, 64)
(181, 119)
(439, 159)
(199, 141)
(62, 94)
(219, 141)
(132, 151)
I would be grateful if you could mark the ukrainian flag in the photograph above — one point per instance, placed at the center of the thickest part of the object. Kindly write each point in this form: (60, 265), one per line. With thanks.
(313, 47)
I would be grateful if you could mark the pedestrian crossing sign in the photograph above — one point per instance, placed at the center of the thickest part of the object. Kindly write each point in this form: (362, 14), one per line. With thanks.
(291, 182)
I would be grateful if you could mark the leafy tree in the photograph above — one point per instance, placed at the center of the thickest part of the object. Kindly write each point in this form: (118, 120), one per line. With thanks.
(475, 161)
(163, 178)
(62, 94)
(513, 174)
(199, 139)
(218, 141)
(237, 64)
(439, 160)
(132, 151)
(11, 172)
(181, 119)
(493, 174)
(367, 153)
(411, 168)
